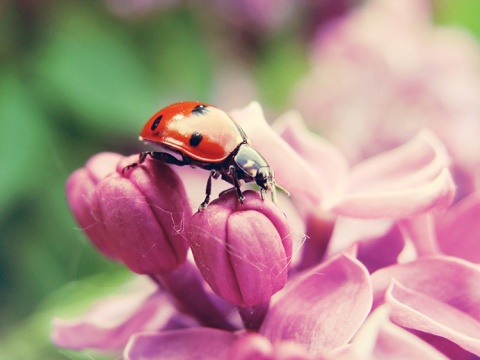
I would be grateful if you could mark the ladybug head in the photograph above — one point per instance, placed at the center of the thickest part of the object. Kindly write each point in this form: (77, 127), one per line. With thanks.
(266, 180)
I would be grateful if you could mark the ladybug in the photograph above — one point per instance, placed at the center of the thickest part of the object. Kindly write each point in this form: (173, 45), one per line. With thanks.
(208, 138)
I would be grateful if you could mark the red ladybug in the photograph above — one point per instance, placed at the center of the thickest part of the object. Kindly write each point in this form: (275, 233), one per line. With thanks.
(206, 137)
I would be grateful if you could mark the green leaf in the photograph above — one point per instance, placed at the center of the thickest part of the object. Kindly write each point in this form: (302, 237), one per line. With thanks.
(90, 65)
(281, 65)
(31, 338)
(464, 13)
(24, 140)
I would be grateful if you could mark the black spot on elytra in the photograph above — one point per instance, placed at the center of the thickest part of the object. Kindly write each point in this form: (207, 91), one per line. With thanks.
(195, 139)
(199, 109)
(156, 122)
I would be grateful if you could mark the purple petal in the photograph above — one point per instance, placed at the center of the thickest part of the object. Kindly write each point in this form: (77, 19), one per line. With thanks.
(458, 232)
(420, 230)
(110, 322)
(400, 203)
(291, 171)
(326, 161)
(402, 182)
(322, 309)
(437, 295)
(255, 346)
(420, 311)
(194, 343)
(377, 242)
(379, 338)
(385, 250)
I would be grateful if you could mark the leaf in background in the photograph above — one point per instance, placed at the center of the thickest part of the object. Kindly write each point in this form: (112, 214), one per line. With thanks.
(90, 66)
(180, 56)
(280, 67)
(463, 13)
(24, 140)
(31, 340)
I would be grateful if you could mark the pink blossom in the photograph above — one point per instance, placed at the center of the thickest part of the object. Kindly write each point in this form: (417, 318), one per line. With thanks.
(373, 229)
(398, 184)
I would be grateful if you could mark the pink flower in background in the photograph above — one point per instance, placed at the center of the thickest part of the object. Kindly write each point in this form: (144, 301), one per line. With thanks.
(381, 73)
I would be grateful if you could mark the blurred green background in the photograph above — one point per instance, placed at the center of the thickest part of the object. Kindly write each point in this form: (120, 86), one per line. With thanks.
(81, 77)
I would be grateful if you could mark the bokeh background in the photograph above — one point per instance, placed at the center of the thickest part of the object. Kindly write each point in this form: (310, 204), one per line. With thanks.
(81, 77)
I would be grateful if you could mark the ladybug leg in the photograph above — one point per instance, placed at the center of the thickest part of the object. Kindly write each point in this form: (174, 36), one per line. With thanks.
(141, 159)
(159, 156)
(262, 193)
(208, 190)
(236, 184)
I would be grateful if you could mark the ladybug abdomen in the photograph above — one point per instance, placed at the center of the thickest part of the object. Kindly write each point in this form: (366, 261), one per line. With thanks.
(201, 132)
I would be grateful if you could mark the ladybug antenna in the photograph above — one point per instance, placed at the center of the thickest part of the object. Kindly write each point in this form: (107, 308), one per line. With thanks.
(285, 191)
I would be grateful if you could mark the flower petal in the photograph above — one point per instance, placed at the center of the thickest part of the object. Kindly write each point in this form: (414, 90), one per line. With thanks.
(420, 231)
(458, 231)
(193, 343)
(327, 162)
(411, 164)
(415, 310)
(110, 322)
(255, 346)
(291, 171)
(438, 295)
(379, 338)
(334, 298)
(405, 181)
(437, 193)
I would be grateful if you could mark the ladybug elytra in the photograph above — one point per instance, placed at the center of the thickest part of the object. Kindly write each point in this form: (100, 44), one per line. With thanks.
(208, 138)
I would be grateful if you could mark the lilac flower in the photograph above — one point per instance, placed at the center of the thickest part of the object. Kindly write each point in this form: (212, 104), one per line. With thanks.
(390, 185)
(372, 237)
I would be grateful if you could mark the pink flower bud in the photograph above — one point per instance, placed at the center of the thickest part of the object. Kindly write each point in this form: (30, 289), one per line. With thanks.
(137, 217)
(242, 250)
(79, 190)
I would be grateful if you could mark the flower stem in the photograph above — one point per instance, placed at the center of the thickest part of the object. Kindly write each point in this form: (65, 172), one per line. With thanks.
(185, 285)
